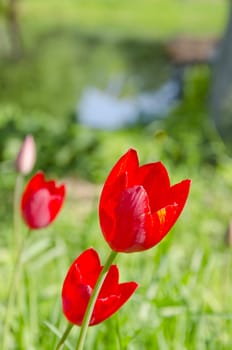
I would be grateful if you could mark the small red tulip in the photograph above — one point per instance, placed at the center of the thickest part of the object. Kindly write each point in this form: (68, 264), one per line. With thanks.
(41, 201)
(138, 206)
(78, 286)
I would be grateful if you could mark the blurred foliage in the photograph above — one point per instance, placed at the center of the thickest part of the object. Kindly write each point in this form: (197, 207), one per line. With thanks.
(40, 92)
(118, 19)
(65, 147)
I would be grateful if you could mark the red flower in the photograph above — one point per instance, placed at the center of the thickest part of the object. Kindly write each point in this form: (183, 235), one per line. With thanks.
(138, 206)
(41, 201)
(78, 286)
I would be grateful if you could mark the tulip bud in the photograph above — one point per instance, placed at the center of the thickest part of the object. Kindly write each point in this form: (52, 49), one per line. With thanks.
(26, 157)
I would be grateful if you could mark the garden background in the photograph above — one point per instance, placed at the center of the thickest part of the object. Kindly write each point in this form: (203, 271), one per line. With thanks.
(184, 300)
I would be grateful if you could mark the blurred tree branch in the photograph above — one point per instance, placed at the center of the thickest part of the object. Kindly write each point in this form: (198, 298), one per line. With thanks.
(9, 10)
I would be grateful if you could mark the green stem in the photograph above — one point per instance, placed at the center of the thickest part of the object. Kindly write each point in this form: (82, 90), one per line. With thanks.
(64, 336)
(92, 301)
(12, 290)
(16, 201)
(18, 249)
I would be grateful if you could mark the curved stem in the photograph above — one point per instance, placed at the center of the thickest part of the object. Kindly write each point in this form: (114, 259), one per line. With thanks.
(92, 300)
(64, 336)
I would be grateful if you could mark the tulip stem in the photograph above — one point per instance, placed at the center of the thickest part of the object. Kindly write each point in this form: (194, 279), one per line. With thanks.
(16, 200)
(92, 301)
(13, 289)
(64, 336)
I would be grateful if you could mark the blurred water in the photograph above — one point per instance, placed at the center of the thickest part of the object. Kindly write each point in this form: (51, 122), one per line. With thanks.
(101, 109)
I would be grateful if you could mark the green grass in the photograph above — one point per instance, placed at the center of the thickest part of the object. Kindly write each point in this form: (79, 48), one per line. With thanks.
(184, 299)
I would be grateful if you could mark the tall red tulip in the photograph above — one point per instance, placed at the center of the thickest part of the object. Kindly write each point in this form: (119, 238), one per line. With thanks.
(138, 206)
(78, 286)
(41, 201)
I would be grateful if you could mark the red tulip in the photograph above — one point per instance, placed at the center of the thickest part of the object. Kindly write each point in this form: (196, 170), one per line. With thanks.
(138, 206)
(41, 201)
(78, 286)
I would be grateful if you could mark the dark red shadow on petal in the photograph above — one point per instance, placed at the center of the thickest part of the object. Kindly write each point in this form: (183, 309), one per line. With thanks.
(132, 220)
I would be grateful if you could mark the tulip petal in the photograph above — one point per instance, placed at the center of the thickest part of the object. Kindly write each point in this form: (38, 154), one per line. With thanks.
(108, 202)
(56, 201)
(78, 284)
(103, 309)
(33, 185)
(27, 156)
(127, 164)
(154, 178)
(132, 220)
(125, 290)
(106, 307)
(162, 222)
(179, 194)
(75, 298)
(36, 210)
(110, 283)
(166, 217)
(87, 266)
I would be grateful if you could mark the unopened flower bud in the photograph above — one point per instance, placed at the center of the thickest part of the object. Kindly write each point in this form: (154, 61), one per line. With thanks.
(26, 157)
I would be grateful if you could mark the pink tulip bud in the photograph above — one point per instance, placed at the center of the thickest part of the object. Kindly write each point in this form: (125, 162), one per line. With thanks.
(26, 157)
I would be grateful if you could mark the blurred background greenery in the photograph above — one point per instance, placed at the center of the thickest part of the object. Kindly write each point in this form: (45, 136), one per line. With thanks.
(64, 47)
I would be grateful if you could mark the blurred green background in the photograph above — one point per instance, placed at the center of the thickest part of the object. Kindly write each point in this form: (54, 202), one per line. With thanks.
(184, 299)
